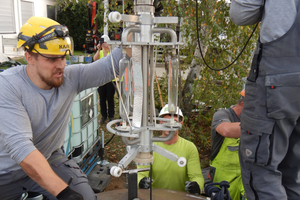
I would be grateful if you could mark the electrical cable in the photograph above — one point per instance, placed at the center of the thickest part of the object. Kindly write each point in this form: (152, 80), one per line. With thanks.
(150, 181)
(109, 140)
(215, 69)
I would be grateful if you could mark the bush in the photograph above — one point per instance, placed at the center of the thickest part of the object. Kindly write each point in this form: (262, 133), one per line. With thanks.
(75, 17)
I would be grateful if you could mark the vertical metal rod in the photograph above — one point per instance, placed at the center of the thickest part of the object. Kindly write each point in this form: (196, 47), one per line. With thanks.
(152, 69)
(106, 6)
(102, 138)
(123, 12)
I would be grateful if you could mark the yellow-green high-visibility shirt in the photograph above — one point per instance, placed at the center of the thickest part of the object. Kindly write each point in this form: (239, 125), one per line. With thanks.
(101, 54)
(166, 174)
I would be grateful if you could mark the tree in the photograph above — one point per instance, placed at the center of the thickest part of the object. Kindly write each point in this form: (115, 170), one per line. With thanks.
(221, 42)
(66, 16)
(205, 90)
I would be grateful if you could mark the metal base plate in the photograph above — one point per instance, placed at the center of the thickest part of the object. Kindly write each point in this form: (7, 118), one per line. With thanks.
(143, 194)
(99, 177)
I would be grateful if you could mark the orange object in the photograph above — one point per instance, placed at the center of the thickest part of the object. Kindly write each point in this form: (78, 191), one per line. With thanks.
(243, 92)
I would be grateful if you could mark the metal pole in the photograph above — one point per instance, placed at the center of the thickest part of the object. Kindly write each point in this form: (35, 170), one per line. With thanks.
(106, 6)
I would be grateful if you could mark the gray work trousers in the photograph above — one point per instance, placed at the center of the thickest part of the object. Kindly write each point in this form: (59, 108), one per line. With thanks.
(13, 184)
(270, 138)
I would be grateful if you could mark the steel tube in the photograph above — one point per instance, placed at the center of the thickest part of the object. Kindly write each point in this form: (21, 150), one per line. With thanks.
(129, 30)
(130, 142)
(171, 32)
(164, 139)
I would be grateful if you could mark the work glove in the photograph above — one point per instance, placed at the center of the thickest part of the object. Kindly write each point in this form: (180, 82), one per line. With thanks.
(145, 183)
(192, 187)
(69, 194)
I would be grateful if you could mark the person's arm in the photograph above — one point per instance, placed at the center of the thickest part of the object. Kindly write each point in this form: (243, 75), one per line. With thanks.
(245, 12)
(16, 142)
(229, 129)
(222, 125)
(194, 167)
(38, 169)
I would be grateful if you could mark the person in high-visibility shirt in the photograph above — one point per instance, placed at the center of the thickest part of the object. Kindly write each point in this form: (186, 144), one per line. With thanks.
(107, 91)
(225, 139)
(166, 173)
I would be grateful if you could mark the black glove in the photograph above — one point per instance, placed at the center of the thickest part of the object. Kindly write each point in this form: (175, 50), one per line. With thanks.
(69, 194)
(192, 187)
(144, 183)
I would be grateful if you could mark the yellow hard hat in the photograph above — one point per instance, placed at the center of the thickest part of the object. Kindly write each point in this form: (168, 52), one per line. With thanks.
(45, 36)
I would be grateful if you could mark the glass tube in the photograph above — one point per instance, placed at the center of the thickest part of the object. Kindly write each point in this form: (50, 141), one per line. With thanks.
(125, 86)
(173, 83)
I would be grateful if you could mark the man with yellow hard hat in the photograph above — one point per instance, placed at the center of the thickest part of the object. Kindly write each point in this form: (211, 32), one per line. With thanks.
(225, 139)
(36, 101)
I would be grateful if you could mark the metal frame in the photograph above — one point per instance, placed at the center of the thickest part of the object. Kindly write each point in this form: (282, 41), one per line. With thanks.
(141, 124)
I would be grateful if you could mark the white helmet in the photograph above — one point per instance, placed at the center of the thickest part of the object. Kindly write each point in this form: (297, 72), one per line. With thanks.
(165, 111)
(106, 38)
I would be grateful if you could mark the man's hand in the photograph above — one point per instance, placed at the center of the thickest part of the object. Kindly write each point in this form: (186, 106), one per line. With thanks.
(144, 183)
(99, 46)
(192, 187)
(69, 194)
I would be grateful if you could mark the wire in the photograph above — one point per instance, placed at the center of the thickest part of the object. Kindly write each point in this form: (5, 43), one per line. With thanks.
(215, 69)
(109, 140)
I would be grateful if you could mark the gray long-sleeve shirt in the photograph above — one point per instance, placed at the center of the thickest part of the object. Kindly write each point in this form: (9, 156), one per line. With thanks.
(277, 19)
(32, 118)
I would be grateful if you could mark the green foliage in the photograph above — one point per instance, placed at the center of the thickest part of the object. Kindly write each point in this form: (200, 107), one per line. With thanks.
(75, 17)
(74, 14)
(115, 6)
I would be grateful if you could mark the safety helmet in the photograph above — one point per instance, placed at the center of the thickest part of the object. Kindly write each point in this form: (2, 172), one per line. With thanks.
(45, 36)
(106, 38)
(165, 111)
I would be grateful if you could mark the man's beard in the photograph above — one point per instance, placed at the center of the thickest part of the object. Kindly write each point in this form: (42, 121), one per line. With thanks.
(53, 83)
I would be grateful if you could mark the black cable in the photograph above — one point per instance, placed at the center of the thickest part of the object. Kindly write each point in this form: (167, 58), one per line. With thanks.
(109, 140)
(197, 24)
(150, 181)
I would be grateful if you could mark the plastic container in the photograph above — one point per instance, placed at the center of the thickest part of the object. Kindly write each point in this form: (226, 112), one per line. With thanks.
(81, 59)
(82, 132)
(74, 59)
(88, 58)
